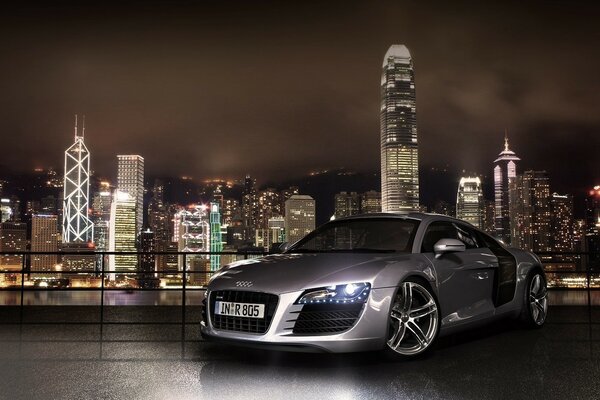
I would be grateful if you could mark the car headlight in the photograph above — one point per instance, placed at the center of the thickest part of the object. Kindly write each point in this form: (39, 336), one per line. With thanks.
(346, 293)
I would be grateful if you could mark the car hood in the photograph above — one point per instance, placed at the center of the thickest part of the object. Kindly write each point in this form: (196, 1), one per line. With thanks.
(283, 273)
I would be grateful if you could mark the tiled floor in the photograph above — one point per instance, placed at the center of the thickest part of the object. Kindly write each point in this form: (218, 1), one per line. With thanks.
(82, 359)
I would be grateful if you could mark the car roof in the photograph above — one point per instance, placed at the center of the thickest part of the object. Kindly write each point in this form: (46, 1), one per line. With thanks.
(419, 216)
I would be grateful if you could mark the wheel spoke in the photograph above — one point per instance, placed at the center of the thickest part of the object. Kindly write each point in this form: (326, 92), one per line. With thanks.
(423, 311)
(417, 333)
(535, 288)
(396, 339)
(407, 296)
(540, 308)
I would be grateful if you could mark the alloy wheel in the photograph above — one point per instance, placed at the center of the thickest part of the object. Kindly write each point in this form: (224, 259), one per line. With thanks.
(413, 320)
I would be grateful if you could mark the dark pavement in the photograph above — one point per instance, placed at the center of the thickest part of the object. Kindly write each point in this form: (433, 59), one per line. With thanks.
(62, 352)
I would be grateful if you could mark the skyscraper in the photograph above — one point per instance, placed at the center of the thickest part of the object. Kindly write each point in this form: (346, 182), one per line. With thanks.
(398, 120)
(77, 227)
(299, 217)
(123, 233)
(469, 201)
(530, 211)
(44, 238)
(505, 169)
(130, 179)
(562, 223)
(216, 243)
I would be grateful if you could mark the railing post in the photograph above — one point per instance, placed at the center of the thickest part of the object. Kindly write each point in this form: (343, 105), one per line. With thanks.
(183, 300)
(22, 285)
(101, 303)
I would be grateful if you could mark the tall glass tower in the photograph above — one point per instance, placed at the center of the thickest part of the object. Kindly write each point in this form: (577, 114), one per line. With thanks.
(399, 147)
(130, 179)
(469, 201)
(505, 171)
(76, 226)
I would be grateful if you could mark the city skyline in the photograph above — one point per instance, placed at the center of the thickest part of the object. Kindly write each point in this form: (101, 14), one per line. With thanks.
(175, 104)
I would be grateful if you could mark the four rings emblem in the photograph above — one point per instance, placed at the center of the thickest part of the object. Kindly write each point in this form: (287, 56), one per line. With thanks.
(244, 283)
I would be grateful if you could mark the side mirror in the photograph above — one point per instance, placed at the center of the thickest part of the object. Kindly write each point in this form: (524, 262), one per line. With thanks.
(444, 246)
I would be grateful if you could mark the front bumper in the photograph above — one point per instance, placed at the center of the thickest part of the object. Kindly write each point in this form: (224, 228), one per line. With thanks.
(368, 333)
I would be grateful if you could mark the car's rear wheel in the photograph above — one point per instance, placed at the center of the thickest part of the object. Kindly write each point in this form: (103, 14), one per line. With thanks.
(413, 320)
(535, 301)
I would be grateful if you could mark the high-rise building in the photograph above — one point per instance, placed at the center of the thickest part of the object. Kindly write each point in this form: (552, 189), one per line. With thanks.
(77, 226)
(250, 208)
(592, 222)
(398, 120)
(530, 218)
(299, 217)
(346, 204)
(370, 202)
(147, 258)
(13, 238)
(469, 201)
(122, 234)
(505, 169)
(216, 242)
(130, 179)
(489, 220)
(193, 236)
(562, 223)
(44, 238)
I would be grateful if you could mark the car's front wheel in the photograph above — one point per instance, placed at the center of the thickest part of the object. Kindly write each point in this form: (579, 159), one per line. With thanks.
(413, 320)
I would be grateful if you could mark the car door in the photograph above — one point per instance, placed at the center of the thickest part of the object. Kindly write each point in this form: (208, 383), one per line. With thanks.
(465, 279)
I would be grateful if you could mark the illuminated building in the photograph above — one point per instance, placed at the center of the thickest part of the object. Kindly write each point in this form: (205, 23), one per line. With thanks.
(13, 238)
(250, 209)
(147, 260)
(269, 205)
(193, 236)
(469, 201)
(79, 256)
(44, 238)
(398, 120)
(561, 222)
(159, 221)
(530, 211)
(592, 222)
(6, 212)
(101, 202)
(346, 204)
(274, 233)
(299, 217)
(370, 202)
(216, 243)
(505, 169)
(122, 233)
(76, 226)
(489, 214)
(130, 179)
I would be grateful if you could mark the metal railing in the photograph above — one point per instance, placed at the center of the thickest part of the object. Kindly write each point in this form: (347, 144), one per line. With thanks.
(26, 280)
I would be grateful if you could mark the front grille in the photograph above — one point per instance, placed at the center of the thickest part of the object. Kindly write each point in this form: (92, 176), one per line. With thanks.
(326, 318)
(241, 324)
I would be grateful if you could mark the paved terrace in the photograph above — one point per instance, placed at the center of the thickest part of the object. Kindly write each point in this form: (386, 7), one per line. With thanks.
(145, 352)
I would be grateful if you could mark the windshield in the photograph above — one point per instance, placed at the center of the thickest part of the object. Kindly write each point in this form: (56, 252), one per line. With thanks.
(376, 235)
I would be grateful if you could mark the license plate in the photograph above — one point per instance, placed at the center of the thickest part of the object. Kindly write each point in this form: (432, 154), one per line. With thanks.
(246, 310)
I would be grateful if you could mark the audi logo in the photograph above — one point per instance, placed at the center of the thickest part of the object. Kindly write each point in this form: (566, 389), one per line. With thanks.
(244, 283)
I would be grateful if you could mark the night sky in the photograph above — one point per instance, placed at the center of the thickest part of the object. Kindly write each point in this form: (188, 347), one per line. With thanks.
(221, 89)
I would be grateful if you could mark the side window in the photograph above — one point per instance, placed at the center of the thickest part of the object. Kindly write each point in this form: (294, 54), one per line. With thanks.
(436, 231)
(467, 236)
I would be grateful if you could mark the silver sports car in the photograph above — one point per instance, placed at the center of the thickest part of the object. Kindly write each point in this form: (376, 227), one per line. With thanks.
(379, 281)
